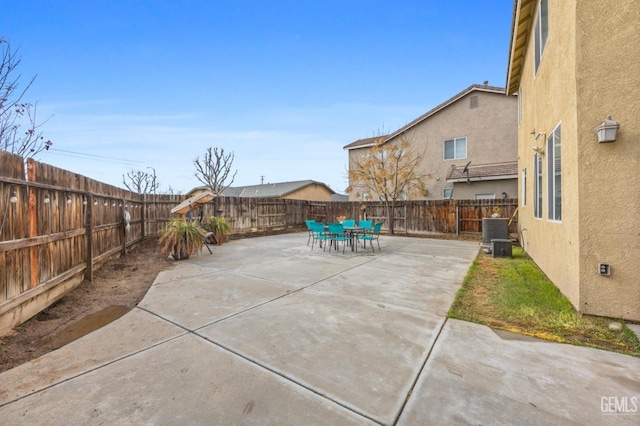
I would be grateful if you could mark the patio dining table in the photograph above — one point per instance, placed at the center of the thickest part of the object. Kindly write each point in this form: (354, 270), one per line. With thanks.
(352, 231)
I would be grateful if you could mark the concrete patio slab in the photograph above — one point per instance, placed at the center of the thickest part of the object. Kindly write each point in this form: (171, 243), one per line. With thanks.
(135, 331)
(266, 331)
(185, 381)
(181, 270)
(294, 270)
(203, 299)
(427, 293)
(477, 376)
(361, 354)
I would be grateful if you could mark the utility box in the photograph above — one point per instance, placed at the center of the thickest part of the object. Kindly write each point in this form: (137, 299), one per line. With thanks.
(501, 248)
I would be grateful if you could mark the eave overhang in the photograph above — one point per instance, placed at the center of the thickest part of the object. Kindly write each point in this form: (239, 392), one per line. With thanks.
(521, 26)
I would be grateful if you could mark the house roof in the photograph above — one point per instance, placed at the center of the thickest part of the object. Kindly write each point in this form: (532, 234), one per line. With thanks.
(270, 190)
(495, 171)
(521, 24)
(363, 143)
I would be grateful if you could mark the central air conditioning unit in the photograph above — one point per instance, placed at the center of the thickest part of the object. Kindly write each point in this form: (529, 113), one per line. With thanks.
(494, 228)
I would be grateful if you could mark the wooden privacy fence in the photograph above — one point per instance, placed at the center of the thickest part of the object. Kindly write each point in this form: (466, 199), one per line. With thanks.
(421, 216)
(57, 227)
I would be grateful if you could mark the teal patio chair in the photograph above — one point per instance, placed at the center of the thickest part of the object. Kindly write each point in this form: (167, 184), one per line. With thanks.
(319, 234)
(366, 225)
(371, 236)
(337, 235)
(309, 222)
(349, 223)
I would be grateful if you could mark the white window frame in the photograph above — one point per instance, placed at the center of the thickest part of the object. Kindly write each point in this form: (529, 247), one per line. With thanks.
(537, 186)
(444, 193)
(540, 33)
(455, 142)
(485, 196)
(554, 174)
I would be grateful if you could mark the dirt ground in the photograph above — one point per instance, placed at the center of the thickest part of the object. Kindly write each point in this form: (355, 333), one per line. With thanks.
(117, 288)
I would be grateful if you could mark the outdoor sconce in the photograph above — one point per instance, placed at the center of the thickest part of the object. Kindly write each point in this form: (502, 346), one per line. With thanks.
(68, 199)
(607, 130)
(95, 202)
(113, 204)
(106, 203)
(14, 197)
(84, 200)
(47, 199)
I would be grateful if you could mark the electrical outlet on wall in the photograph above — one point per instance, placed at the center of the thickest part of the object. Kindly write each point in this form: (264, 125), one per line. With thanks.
(604, 269)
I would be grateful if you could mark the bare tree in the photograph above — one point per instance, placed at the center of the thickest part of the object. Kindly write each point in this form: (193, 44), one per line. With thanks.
(141, 182)
(388, 171)
(19, 128)
(214, 169)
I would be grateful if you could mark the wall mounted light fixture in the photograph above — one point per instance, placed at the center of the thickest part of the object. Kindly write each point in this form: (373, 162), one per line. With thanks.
(14, 197)
(47, 198)
(607, 131)
(69, 199)
(539, 149)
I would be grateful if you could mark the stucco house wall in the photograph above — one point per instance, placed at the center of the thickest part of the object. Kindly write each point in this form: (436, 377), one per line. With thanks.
(491, 131)
(313, 192)
(608, 83)
(496, 188)
(590, 68)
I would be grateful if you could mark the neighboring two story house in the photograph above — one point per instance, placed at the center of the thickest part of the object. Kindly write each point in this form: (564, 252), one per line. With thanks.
(469, 144)
(574, 63)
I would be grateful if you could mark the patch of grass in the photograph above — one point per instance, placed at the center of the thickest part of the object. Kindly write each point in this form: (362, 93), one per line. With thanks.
(515, 295)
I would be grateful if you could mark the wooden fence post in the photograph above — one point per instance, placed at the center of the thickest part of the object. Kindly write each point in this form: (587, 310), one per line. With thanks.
(123, 231)
(34, 264)
(88, 272)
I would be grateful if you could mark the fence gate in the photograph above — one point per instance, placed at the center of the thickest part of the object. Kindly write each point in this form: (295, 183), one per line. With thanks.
(272, 214)
(317, 211)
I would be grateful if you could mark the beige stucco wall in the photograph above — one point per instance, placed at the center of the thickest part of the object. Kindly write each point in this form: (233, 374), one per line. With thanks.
(546, 102)
(313, 192)
(462, 191)
(608, 83)
(578, 84)
(491, 135)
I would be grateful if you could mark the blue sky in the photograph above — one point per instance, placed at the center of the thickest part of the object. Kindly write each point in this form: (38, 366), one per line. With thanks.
(283, 84)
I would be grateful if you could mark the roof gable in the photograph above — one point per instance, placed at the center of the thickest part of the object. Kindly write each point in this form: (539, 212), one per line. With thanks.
(363, 143)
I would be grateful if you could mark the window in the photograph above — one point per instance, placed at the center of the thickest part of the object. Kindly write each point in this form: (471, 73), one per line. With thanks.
(523, 190)
(447, 193)
(455, 148)
(554, 174)
(541, 32)
(537, 186)
(485, 196)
